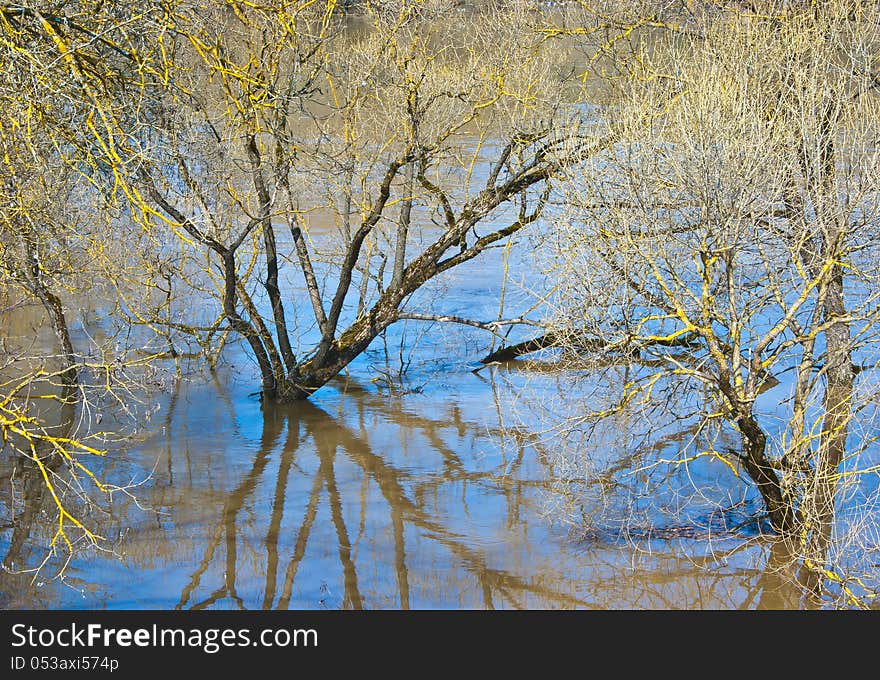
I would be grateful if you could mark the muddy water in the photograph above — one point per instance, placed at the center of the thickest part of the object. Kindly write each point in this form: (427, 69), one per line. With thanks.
(433, 492)
(368, 497)
(365, 500)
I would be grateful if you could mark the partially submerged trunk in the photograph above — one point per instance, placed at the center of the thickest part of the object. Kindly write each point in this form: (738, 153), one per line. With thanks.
(780, 511)
(287, 377)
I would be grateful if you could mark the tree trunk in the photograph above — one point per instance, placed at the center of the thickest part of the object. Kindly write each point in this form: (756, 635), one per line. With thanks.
(779, 511)
(819, 510)
(839, 374)
(54, 310)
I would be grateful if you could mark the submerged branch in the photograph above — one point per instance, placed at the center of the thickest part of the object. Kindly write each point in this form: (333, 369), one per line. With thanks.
(491, 326)
(628, 346)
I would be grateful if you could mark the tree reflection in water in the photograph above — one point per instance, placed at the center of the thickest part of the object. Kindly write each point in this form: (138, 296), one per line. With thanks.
(370, 500)
(308, 430)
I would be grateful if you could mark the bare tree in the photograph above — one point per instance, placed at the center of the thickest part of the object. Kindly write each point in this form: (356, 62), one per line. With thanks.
(720, 262)
(408, 133)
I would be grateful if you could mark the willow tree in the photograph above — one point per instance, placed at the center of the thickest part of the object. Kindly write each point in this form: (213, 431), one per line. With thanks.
(171, 158)
(422, 141)
(720, 262)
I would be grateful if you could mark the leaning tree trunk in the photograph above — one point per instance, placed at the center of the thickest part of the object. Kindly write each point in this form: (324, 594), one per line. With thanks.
(780, 512)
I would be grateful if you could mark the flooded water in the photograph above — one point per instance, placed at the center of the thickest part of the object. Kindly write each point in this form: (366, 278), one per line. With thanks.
(431, 494)
(365, 500)
(424, 488)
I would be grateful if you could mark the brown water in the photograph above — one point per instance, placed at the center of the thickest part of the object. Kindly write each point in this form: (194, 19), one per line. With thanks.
(431, 493)
(367, 499)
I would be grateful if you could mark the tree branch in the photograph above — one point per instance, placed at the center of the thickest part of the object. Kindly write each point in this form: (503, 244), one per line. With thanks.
(491, 326)
(351, 258)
